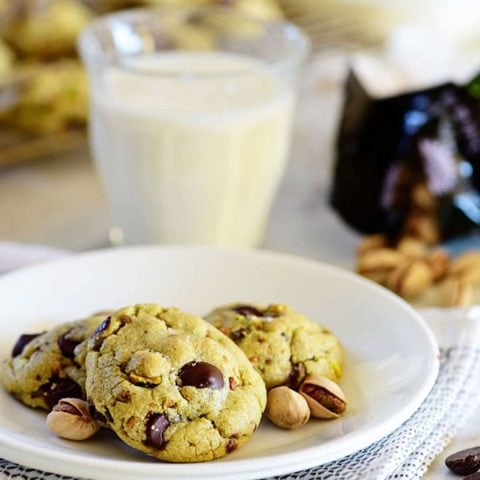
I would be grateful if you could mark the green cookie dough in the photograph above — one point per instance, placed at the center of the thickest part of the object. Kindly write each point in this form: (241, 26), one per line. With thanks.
(45, 367)
(283, 345)
(170, 385)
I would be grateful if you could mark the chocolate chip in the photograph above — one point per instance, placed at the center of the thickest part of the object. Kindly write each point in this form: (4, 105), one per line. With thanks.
(239, 334)
(108, 415)
(157, 423)
(22, 342)
(67, 345)
(103, 326)
(232, 383)
(297, 375)
(59, 388)
(201, 375)
(247, 310)
(97, 335)
(465, 461)
(231, 445)
(94, 413)
(143, 384)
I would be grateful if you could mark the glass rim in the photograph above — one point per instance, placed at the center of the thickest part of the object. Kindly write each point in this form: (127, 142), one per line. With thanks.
(288, 29)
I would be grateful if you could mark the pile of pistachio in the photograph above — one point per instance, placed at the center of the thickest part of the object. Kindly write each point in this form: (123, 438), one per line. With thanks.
(317, 397)
(411, 266)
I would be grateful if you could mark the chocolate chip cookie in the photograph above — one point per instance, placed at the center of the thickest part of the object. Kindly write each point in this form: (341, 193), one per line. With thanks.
(283, 345)
(171, 385)
(48, 366)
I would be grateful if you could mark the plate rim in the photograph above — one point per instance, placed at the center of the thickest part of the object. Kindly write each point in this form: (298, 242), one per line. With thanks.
(31, 456)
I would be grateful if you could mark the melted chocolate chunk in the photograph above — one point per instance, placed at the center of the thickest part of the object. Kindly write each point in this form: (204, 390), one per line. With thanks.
(97, 335)
(231, 445)
(94, 413)
(201, 375)
(67, 345)
(239, 334)
(157, 423)
(297, 374)
(103, 326)
(247, 310)
(108, 415)
(144, 384)
(22, 342)
(59, 388)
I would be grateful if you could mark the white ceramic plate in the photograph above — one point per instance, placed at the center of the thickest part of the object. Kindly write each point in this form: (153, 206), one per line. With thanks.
(391, 354)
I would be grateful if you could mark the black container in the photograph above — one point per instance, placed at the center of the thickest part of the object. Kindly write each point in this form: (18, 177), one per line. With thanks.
(388, 147)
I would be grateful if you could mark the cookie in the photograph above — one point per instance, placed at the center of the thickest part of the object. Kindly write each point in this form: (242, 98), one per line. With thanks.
(53, 97)
(283, 345)
(6, 61)
(45, 367)
(48, 29)
(170, 385)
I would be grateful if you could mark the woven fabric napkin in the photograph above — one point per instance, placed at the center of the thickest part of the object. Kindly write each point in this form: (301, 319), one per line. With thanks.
(407, 452)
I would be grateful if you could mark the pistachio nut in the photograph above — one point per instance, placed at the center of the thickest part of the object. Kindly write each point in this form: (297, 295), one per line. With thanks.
(71, 419)
(378, 264)
(423, 226)
(422, 198)
(467, 266)
(286, 408)
(439, 261)
(372, 242)
(456, 291)
(412, 246)
(410, 279)
(324, 397)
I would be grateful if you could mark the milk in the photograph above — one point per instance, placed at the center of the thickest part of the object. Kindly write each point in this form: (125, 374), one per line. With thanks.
(191, 146)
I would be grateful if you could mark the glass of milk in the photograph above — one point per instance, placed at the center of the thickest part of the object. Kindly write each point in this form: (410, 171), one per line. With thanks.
(191, 113)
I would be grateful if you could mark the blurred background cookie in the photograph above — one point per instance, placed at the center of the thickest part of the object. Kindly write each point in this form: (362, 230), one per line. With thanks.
(48, 28)
(52, 97)
(6, 60)
(43, 89)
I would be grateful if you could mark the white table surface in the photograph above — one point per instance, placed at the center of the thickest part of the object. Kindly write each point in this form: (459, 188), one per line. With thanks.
(59, 202)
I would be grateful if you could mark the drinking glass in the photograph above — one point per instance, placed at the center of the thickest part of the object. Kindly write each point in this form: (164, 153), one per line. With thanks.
(190, 125)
